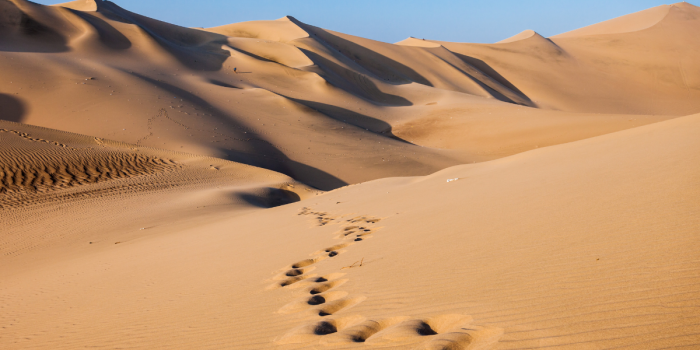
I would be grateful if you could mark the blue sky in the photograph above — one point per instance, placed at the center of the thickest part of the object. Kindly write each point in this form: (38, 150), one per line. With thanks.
(484, 21)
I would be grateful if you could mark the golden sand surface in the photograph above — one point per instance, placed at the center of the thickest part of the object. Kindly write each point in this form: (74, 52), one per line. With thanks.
(276, 185)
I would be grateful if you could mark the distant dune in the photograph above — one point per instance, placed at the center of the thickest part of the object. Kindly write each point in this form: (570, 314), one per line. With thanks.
(276, 185)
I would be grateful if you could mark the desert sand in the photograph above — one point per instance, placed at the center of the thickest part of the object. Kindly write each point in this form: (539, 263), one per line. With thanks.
(276, 185)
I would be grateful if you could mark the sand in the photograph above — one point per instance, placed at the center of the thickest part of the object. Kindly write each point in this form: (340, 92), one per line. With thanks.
(335, 192)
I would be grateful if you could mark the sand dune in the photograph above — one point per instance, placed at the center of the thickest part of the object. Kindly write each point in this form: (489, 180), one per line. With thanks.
(299, 87)
(276, 185)
(563, 251)
(621, 78)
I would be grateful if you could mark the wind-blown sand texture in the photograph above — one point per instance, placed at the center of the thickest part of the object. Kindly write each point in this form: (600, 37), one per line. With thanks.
(336, 192)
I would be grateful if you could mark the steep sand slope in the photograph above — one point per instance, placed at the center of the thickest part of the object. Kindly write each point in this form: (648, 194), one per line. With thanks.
(323, 107)
(590, 244)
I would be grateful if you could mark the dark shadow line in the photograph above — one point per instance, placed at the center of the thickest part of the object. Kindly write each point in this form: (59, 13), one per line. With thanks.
(495, 93)
(361, 55)
(267, 155)
(488, 70)
(348, 117)
(11, 108)
(351, 81)
(109, 36)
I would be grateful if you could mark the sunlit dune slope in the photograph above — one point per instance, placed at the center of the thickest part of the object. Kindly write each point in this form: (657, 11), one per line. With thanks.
(583, 245)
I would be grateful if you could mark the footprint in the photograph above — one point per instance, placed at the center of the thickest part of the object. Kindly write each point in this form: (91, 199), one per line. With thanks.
(294, 272)
(363, 331)
(471, 337)
(336, 247)
(451, 341)
(369, 220)
(336, 306)
(358, 231)
(291, 280)
(323, 218)
(364, 233)
(308, 303)
(325, 328)
(326, 286)
(414, 329)
(319, 330)
(316, 300)
(307, 262)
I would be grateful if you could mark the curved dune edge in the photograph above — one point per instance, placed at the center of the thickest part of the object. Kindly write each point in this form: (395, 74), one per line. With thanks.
(411, 41)
(526, 34)
(284, 29)
(625, 24)
(80, 5)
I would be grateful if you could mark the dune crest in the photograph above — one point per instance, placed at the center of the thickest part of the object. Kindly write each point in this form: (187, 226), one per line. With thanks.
(526, 34)
(284, 29)
(629, 23)
(411, 41)
(81, 5)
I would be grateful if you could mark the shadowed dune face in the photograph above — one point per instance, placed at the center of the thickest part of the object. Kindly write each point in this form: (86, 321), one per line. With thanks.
(270, 197)
(108, 35)
(24, 29)
(11, 108)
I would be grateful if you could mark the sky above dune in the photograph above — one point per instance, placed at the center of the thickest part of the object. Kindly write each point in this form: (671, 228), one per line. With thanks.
(392, 21)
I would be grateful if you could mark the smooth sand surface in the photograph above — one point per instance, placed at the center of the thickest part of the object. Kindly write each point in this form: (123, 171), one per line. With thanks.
(335, 192)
